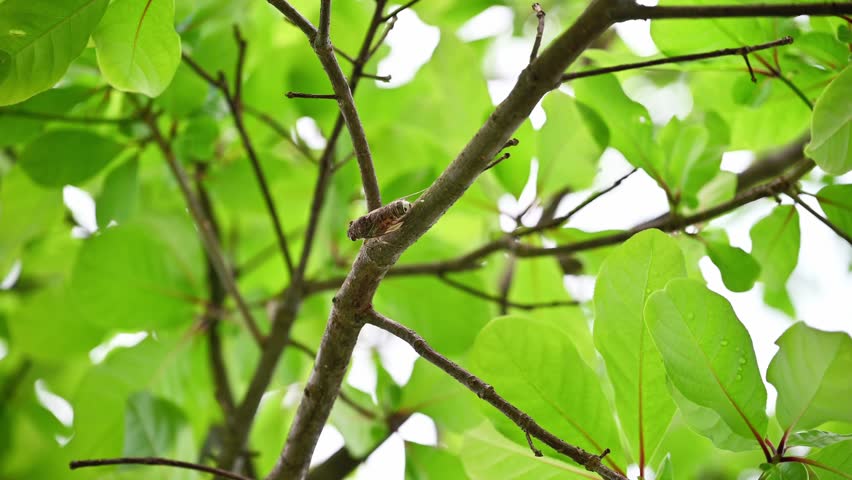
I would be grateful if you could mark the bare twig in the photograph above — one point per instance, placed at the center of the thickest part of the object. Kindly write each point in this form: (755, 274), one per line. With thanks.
(539, 13)
(380, 78)
(558, 221)
(208, 236)
(321, 96)
(496, 161)
(828, 223)
(155, 461)
(487, 393)
(501, 301)
(743, 51)
(388, 27)
(396, 11)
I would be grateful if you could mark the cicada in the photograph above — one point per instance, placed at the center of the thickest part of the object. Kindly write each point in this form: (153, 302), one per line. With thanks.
(380, 221)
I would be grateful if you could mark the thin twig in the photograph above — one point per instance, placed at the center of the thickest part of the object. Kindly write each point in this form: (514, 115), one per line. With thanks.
(487, 393)
(539, 13)
(743, 51)
(396, 11)
(558, 221)
(380, 78)
(633, 11)
(496, 161)
(155, 461)
(828, 223)
(792, 86)
(748, 65)
(205, 230)
(500, 301)
(388, 27)
(323, 96)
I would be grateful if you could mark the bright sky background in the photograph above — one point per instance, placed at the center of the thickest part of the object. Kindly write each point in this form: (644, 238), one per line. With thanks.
(818, 286)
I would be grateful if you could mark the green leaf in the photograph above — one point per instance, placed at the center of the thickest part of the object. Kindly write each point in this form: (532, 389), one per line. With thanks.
(47, 327)
(197, 142)
(516, 355)
(707, 422)
(429, 463)
(137, 46)
(831, 126)
(630, 127)
(708, 354)
(361, 434)
(666, 471)
(739, 269)
(131, 278)
(816, 438)
(117, 201)
(67, 157)
(775, 245)
(836, 202)
(811, 372)
(785, 471)
(26, 212)
(573, 167)
(39, 40)
(151, 426)
(838, 458)
(487, 455)
(636, 269)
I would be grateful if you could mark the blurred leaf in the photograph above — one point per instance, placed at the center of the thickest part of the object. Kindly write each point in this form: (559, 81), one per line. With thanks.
(26, 212)
(786, 471)
(517, 356)
(775, 245)
(837, 457)
(708, 355)
(361, 434)
(831, 127)
(739, 269)
(118, 197)
(197, 142)
(559, 165)
(836, 202)
(432, 392)
(186, 93)
(430, 463)
(129, 277)
(40, 40)
(632, 272)
(666, 472)
(816, 438)
(67, 157)
(151, 426)
(56, 101)
(810, 372)
(138, 48)
(487, 455)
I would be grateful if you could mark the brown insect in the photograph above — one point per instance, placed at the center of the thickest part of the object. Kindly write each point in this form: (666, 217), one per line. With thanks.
(380, 221)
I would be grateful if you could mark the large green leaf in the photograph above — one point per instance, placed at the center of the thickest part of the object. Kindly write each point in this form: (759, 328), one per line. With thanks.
(38, 41)
(523, 360)
(816, 438)
(566, 124)
(630, 127)
(151, 426)
(811, 372)
(67, 157)
(831, 126)
(836, 202)
(636, 269)
(487, 455)
(838, 458)
(708, 354)
(775, 245)
(129, 277)
(785, 471)
(138, 48)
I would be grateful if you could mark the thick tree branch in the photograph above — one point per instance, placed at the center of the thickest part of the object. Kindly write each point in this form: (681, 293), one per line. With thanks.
(376, 257)
(155, 461)
(629, 10)
(739, 51)
(205, 229)
(486, 392)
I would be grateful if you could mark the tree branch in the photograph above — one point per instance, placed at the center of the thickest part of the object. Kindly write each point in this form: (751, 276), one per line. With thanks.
(376, 257)
(502, 301)
(205, 230)
(678, 59)
(486, 392)
(633, 11)
(396, 12)
(325, 21)
(834, 228)
(539, 13)
(319, 96)
(154, 461)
